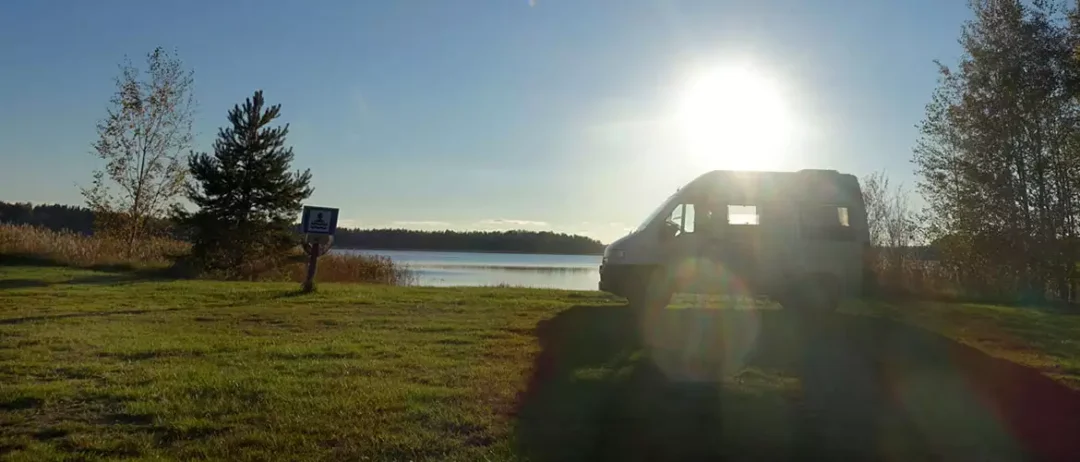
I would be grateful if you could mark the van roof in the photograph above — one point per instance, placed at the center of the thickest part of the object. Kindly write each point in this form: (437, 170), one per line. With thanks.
(811, 185)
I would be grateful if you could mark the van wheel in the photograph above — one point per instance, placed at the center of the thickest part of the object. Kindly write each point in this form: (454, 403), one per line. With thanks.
(636, 297)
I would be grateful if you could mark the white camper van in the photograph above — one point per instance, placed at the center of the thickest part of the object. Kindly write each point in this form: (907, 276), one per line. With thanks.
(796, 237)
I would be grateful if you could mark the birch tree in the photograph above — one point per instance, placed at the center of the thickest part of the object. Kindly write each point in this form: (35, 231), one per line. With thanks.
(143, 141)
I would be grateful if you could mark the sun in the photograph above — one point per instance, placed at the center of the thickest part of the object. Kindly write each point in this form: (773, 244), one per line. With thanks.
(736, 118)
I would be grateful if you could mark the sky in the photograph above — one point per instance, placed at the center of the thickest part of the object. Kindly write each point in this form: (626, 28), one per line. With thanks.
(563, 115)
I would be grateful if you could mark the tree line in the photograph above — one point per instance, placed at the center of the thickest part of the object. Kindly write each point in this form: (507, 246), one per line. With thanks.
(56, 217)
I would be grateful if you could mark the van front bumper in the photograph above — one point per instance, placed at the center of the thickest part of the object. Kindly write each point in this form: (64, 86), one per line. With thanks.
(620, 280)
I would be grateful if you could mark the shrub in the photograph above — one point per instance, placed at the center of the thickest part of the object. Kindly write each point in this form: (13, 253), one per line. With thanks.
(944, 279)
(353, 267)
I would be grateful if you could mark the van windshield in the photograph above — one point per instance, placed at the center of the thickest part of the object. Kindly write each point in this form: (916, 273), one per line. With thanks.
(659, 210)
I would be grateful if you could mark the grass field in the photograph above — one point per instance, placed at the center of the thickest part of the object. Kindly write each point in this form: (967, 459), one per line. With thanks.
(97, 365)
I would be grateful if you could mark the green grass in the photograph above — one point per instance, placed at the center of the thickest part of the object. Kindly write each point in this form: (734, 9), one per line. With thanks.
(97, 366)
(100, 365)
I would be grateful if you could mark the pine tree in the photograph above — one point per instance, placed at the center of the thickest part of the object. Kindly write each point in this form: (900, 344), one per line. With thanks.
(248, 199)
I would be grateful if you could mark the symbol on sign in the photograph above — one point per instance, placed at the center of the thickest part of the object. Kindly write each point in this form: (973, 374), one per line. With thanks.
(319, 224)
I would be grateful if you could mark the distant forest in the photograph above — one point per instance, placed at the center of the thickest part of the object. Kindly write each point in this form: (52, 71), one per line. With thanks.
(53, 216)
(487, 241)
(81, 220)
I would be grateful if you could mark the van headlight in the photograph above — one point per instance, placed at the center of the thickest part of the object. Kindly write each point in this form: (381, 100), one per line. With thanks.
(613, 255)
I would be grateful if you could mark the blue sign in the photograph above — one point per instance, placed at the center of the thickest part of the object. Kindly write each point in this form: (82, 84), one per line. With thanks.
(319, 220)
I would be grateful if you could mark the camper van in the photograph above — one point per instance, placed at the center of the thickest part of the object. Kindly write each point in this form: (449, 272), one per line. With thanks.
(796, 237)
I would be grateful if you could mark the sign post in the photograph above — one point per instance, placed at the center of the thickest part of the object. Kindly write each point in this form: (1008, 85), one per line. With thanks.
(318, 225)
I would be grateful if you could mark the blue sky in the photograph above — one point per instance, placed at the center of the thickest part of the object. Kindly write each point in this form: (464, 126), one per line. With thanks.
(480, 114)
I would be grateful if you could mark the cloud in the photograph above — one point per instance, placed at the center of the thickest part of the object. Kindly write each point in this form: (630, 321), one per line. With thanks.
(624, 126)
(604, 232)
(420, 224)
(503, 222)
(348, 223)
(532, 3)
(360, 102)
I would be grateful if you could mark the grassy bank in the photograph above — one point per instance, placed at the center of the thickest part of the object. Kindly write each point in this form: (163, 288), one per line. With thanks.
(34, 244)
(100, 365)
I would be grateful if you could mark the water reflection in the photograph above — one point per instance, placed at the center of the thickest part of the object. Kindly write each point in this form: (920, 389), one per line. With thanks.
(574, 272)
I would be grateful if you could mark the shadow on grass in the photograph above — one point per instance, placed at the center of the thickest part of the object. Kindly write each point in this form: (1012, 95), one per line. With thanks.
(298, 293)
(118, 273)
(22, 283)
(20, 403)
(105, 279)
(86, 314)
(51, 424)
(39, 260)
(700, 384)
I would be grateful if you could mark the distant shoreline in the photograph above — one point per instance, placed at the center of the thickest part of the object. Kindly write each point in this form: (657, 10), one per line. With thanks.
(371, 249)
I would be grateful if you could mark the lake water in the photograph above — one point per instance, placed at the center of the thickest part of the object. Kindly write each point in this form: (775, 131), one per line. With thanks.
(575, 272)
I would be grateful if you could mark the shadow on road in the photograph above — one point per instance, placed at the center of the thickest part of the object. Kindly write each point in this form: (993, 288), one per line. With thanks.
(702, 384)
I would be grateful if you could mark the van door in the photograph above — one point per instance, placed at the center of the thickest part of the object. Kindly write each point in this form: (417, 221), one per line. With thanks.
(830, 245)
(780, 248)
(686, 246)
(740, 244)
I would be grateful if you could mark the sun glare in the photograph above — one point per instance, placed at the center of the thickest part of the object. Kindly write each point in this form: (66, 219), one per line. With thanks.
(736, 118)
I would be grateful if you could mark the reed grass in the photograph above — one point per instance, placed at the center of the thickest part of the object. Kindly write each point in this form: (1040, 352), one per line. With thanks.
(66, 248)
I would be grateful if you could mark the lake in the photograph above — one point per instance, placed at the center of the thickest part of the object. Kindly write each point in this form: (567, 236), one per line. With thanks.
(574, 272)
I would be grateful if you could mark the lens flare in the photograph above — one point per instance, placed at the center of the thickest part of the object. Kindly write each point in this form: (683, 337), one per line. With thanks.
(705, 343)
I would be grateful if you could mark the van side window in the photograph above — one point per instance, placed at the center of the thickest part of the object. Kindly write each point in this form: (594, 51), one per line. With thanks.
(683, 217)
(743, 215)
(826, 222)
